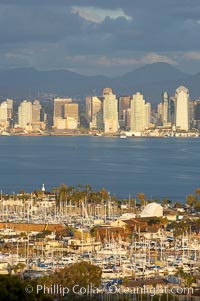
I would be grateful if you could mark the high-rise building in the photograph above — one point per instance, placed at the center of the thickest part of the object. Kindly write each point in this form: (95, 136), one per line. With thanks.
(147, 115)
(36, 109)
(197, 114)
(160, 110)
(191, 113)
(182, 108)
(59, 109)
(71, 115)
(96, 113)
(138, 113)
(4, 114)
(124, 104)
(165, 108)
(127, 119)
(107, 91)
(110, 111)
(10, 108)
(25, 114)
(71, 110)
(171, 111)
(88, 105)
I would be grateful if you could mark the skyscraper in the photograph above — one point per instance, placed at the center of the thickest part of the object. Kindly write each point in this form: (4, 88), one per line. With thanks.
(124, 104)
(71, 115)
(88, 106)
(171, 111)
(25, 114)
(138, 113)
(197, 114)
(182, 108)
(36, 108)
(165, 108)
(59, 110)
(96, 113)
(147, 115)
(4, 114)
(110, 111)
(10, 108)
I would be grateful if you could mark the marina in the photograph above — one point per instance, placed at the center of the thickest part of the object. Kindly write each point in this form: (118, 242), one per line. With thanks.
(38, 237)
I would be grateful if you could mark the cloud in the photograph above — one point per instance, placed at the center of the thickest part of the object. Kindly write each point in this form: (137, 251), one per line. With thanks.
(24, 24)
(97, 15)
(115, 34)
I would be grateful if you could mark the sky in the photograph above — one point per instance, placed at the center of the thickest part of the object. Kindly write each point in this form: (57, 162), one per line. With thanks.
(99, 37)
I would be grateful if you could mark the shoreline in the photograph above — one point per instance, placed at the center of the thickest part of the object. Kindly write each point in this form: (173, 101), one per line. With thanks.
(102, 136)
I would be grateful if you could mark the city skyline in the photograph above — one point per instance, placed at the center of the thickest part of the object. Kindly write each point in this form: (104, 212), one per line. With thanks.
(108, 113)
(110, 38)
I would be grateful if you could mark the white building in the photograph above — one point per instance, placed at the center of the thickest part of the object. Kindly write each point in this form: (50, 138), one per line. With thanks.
(4, 114)
(182, 108)
(110, 112)
(96, 113)
(152, 209)
(25, 114)
(138, 113)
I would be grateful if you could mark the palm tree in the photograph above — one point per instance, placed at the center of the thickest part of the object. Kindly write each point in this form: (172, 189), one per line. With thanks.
(190, 200)
(141, 196)
(63, 194)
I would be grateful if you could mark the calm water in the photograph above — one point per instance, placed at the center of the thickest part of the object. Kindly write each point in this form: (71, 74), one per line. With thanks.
(158, 167)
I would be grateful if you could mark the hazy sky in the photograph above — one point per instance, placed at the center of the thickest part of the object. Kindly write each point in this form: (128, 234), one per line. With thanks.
(99, 37)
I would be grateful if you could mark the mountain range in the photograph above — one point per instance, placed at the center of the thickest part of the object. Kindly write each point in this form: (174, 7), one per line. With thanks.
(151, 80)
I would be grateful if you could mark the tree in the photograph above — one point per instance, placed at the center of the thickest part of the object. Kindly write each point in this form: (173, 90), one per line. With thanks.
(141, 196)
(81, 274)
(190, 200)
(62, 196)
(197, 191)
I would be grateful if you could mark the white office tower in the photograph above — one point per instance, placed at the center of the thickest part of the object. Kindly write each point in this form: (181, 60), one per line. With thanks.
(110, 111)
(138, 113)
(96, 113)
(182, 108)
(25, 114)
(4, 114)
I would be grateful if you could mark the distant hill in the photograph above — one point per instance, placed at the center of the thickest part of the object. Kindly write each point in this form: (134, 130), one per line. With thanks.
(151, 80)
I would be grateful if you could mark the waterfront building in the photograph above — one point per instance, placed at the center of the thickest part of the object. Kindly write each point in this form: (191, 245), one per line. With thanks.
(88, 109)
(160, 110)
(171, 111)
(182, 108)
(9, 108)
(25, 114)
(36, 109)
(96, 113)
(191, 113)
(37, 122)
(71, 110)
(4, 114)
(197, 114)
(59, 109)
(138, 113)
(71, 115)
(124, 104)
(147, 115)
(127, 119)
(165, 108)
(110, 111)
